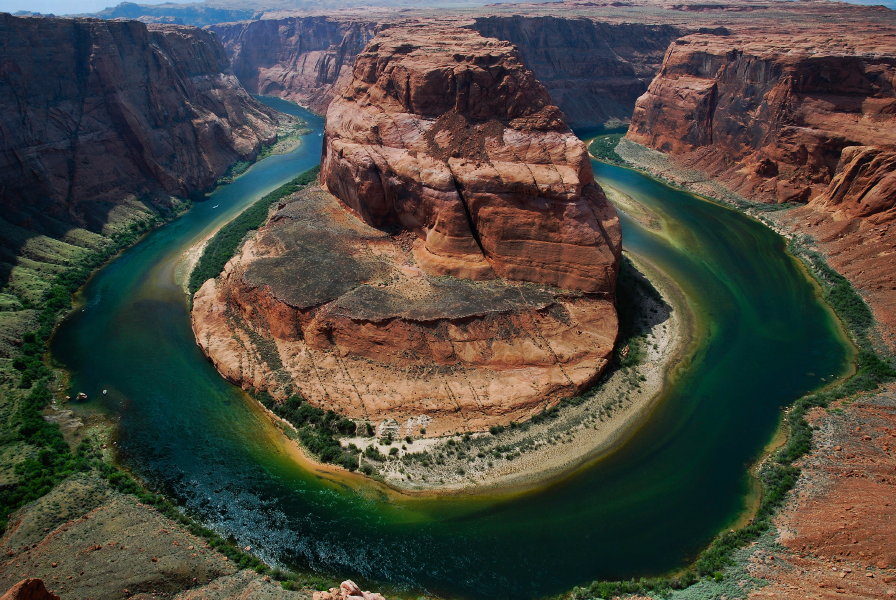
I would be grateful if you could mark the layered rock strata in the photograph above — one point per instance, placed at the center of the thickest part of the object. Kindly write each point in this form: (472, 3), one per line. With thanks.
(303, 59)
(93, 111)
(458, 270)
(467, 151)
(770, 118)
(594, 71)
(792, 119)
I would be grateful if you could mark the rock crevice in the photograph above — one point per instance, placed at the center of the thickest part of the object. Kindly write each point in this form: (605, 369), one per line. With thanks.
(458, 268)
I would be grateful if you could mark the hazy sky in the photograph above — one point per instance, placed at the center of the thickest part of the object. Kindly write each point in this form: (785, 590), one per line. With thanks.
(68, 7)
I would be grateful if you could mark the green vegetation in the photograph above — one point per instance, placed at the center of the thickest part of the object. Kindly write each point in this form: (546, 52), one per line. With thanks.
(838, 292)
(288, 137)
(52, 460)
(40, 457)
(632, 286)
(225, 243)
(318, 430)
(778, 475)
(603, 148)
(234, 171)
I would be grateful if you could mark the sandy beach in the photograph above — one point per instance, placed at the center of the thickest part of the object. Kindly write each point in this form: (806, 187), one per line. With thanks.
(535, 454)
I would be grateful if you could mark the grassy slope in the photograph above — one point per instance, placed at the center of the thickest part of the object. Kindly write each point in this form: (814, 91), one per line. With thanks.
(229, 238)
(35, 457)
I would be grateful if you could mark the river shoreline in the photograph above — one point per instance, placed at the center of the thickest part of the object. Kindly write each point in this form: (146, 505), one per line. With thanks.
(661, 167)
(539, 453)
(552, 450)
(215, 415)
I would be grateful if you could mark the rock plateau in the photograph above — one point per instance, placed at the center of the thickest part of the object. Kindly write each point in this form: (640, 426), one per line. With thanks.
(457, 267)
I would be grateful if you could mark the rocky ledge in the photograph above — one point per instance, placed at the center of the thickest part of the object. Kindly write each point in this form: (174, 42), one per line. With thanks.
(456, 271)
(803, 119)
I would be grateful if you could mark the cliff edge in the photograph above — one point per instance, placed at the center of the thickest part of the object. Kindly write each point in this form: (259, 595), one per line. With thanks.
(94, 111)
(455, 270)
(805, 119)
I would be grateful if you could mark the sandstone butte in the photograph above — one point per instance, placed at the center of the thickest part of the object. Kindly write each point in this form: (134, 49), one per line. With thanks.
(456, 267)
(807, 119)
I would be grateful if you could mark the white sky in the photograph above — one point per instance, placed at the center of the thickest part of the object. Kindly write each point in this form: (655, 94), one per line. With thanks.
(70, 7)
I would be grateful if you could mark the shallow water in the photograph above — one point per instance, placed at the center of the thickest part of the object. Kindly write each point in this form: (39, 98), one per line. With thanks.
(646, 509)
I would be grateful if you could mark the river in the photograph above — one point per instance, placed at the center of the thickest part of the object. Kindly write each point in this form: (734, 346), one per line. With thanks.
(648, 508)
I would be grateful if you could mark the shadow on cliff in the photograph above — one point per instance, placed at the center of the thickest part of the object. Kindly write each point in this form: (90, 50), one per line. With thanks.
(41, 240)
(640, 307)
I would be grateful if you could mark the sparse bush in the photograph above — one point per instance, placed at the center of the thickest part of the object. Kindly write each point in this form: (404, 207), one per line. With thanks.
(225, 243)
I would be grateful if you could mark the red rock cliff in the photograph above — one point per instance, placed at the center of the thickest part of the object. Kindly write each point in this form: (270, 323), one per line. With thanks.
(793, 118)
(94, 110)
(769, 117)
(303, 59)
(447, 134)
(593, 70)
(454, 156)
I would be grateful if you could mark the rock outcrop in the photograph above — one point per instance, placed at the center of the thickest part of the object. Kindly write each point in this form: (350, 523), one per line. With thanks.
(469, 153)
(792, 119)
(460, 271)
(29, 589)
(594, 71)
(93, 111)
(347, 590)
(770, 118)
(303, 59)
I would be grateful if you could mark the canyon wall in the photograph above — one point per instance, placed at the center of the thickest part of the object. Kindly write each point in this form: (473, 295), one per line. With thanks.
(303, 59)
(455, 270)
(807, 119)
(93, 111)
(594, 71)
(770, 118)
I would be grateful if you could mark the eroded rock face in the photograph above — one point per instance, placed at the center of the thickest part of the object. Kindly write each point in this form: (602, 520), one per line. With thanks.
(460, 270)
(793, 119)
(770, 117)
(854, 222)
(303, 59)
(445, 133)
(93, 111)
(593, 70)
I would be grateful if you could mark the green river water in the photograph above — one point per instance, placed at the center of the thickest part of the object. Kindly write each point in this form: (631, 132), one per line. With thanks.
(646, 509)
